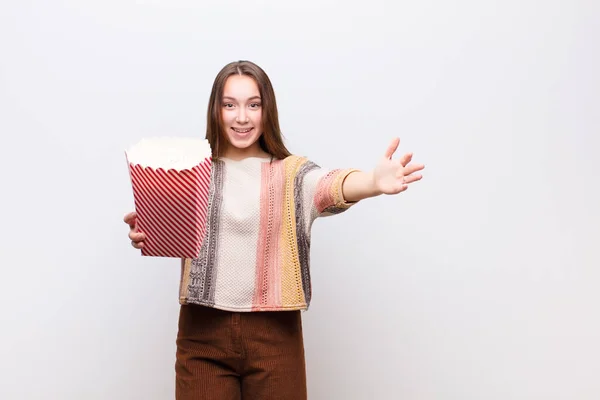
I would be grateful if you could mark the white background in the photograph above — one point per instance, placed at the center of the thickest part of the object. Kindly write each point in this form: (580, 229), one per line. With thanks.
(480, 282)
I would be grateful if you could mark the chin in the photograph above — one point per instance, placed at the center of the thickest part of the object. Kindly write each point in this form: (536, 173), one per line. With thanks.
(243, 142)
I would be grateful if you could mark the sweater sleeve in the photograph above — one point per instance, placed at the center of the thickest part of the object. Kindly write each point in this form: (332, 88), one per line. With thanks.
(322, 190)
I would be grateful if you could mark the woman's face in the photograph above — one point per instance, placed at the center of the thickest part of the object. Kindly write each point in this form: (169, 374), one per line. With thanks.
(241, 112)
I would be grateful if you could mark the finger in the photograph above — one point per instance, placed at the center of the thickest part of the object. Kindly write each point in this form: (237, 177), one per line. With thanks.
(401, 188)
(130, 218)
(412, 178)
(405, 159)
(137, 236)
(411, 168)
(392, 148)
(137, 245)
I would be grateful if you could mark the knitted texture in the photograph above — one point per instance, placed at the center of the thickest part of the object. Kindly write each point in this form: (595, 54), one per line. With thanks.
(256, 253)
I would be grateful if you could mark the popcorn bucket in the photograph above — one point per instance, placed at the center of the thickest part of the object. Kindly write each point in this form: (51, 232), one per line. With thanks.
(170, 178)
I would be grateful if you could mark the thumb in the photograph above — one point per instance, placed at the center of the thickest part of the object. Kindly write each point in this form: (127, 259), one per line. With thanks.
(130, 219)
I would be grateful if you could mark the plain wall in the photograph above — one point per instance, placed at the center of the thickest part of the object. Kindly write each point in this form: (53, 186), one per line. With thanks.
(479, 282)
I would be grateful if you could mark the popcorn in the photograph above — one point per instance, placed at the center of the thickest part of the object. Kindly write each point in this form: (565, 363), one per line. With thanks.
(171, 179)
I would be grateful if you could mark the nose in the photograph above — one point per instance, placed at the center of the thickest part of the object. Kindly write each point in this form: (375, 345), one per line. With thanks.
(241, 116)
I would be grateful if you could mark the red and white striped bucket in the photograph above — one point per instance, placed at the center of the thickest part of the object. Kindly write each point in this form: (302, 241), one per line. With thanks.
(171, 206)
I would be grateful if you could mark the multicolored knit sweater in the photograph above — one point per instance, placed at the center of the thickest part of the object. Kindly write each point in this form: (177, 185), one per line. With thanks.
(255, 256)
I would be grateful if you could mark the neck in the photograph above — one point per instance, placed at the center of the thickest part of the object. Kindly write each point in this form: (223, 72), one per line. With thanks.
(234, 153)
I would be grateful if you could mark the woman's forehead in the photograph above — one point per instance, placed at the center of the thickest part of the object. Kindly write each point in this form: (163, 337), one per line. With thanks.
(240, 87)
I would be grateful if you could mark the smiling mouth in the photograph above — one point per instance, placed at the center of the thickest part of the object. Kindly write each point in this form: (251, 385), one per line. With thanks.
(245, 130)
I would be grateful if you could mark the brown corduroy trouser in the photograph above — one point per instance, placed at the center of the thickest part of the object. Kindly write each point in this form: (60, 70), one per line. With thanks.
(224, 355)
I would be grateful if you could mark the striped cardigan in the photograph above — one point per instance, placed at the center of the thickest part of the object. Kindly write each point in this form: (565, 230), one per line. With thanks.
(255, 255)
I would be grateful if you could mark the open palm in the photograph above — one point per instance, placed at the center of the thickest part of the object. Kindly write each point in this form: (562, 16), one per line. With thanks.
(392, 176)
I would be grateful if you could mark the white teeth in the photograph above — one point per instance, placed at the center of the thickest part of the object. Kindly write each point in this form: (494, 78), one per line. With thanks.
(242, 130)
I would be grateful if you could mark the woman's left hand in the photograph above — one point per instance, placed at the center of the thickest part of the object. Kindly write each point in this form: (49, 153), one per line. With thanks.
(392, 176)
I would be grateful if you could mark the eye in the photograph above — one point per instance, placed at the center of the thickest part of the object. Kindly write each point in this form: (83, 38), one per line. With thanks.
(255, 105)
(228, 105)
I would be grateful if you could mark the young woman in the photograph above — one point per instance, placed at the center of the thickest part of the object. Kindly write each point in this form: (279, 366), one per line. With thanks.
(240, 330)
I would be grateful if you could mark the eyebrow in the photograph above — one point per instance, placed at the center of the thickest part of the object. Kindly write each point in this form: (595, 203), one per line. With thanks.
(232, 98)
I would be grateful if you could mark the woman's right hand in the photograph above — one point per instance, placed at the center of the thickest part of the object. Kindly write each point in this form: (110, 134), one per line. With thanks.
(137, 238)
